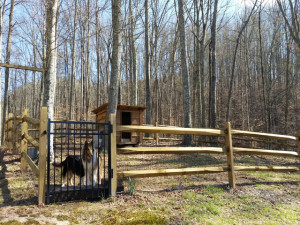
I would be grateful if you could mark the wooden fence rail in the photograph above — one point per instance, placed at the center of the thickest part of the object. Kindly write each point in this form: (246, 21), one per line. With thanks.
(12, 136)
(228, 149)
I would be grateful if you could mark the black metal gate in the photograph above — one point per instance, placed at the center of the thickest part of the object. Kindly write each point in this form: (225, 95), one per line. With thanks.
(67, 178)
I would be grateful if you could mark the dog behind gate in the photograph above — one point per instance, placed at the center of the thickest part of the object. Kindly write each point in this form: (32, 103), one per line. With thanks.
(92, 163)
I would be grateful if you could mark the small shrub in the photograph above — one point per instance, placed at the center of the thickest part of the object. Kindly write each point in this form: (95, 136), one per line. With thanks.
(131, 186)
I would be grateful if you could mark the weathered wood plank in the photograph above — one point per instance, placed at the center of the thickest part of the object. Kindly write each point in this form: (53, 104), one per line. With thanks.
(267, 168)
(264, 135)
(169, 150)
(170, 172)
(42, 154)
(32, 141)
(265, 152)
(32, 165)
(113, 144)
(21, 67)
(170, 130)
(229, 154)
(298, 136)
(24, 146)
(32, 121)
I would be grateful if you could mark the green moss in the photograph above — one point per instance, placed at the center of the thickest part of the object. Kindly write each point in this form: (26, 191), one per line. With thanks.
(11, 222)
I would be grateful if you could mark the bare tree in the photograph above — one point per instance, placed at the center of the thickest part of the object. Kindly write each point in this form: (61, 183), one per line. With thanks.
(213, 78)
(51, 62)
(73, 62)
(292, 21)
(2, 10)
(7, 60)
(116, 56)
(185, 74)
(234, 60)
(147, 66)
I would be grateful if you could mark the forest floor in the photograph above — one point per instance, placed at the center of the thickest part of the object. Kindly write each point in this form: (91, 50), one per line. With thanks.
(259, 198)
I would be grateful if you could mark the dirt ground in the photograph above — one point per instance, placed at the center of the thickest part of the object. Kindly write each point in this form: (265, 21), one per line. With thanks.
(260, 197)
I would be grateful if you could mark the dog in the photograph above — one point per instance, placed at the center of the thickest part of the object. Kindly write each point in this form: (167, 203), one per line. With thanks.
(92, 164)
(71, 165)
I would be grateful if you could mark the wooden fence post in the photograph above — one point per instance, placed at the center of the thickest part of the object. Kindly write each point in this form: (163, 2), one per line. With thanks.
(15, 136)
(9, 131)
(113, 151)
(42, 154)
(298, 135)
(156, 135)
(24, 146)
(229, 153)
(252, 139)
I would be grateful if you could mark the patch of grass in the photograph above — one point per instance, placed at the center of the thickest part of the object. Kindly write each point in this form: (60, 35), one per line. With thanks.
(31, 222)
(62, 217)
(11, 222)
(189, 195)
(212, 190)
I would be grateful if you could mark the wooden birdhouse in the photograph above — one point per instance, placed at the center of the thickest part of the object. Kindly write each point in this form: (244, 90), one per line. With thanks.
(126, 115)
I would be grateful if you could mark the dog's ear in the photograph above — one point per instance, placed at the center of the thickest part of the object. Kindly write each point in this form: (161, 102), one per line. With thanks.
(86, 145)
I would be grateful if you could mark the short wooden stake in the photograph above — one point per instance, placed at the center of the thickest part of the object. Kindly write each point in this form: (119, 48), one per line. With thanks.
(15, 136)
(113, 151)
(42, 154)
(156, 135)
(298, 135)
(252, 139)
(10, 131)
(229, 153)
(141, 135)
(24, 146)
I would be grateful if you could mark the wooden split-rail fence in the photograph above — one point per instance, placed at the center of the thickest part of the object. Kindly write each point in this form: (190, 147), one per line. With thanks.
(40, 143)
(17, 132)
(229, 150)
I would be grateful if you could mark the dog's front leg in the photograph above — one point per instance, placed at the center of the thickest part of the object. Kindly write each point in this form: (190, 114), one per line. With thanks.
(88, 179)
(82, 180)
(63, 182)
(94, 177)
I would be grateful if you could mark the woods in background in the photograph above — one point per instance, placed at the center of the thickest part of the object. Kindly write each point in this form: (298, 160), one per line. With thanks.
(237, 62)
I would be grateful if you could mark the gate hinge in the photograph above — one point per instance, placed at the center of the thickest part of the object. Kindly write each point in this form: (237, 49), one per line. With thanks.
(110, 128)
(111, 173)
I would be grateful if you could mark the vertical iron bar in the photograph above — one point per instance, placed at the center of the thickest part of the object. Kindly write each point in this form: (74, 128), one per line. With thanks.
(109, 159)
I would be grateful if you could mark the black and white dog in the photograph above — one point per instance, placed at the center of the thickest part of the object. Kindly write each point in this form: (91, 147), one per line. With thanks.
(70, 166)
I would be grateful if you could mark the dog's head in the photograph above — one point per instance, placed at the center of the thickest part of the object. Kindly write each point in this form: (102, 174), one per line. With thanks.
(87, 151)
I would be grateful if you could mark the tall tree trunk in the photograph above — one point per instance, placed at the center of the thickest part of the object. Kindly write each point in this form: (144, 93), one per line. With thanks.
(132, 58)
(73, 63)
(2, 122)
(51, 60)
(87, 79)
(147, 66)
(262, 73)
(185, 74)
(202, 64)
(98, 55)
(287, 84)
(116, 56)
(234, 61)
(213, 108)
(7, 60)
